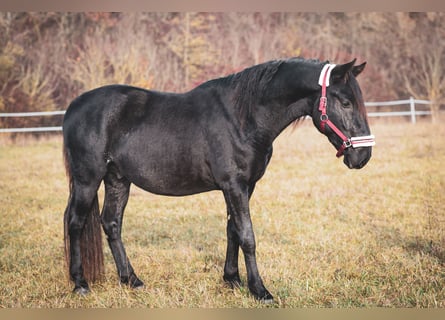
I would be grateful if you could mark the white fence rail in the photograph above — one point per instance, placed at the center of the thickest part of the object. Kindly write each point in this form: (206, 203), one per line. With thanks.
(412, 108)
(412, 112)
(31, 114)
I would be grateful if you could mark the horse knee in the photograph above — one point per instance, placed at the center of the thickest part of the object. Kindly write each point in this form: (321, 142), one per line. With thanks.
(244, 235)
(111, 229)
(247, 243)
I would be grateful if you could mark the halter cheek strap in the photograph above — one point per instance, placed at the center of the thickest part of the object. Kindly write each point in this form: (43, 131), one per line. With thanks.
(354, 142)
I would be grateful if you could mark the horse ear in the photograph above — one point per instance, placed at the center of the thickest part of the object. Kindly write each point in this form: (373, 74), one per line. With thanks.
(340, 72)
(356, 70)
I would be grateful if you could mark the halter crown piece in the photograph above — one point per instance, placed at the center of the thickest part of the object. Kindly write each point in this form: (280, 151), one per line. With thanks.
(354, 142)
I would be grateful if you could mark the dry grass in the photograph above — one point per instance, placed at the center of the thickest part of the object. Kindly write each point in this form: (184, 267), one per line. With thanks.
(327, 236)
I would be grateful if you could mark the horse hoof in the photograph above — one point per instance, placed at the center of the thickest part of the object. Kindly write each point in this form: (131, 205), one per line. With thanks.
(81, 291)
(133, 282)
(266, 298)
(234, 282)
(140, 287)
(138, 284)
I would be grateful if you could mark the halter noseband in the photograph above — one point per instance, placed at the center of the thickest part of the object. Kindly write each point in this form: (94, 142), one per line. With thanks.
(354, 142)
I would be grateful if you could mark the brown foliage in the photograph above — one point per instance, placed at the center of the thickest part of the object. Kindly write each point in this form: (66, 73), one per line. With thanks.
(46, 59)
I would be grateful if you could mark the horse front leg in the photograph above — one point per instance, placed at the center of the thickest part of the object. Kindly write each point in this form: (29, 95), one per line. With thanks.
(231, 272)
(240, 234)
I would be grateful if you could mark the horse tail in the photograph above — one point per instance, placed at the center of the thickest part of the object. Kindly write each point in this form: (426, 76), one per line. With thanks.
(91, 246)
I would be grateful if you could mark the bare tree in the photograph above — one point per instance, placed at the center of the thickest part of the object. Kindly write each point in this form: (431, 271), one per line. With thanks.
(424, 74)
(409, 49)
(48, 58)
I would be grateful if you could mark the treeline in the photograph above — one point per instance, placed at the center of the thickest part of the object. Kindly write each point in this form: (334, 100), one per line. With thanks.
(46, 59)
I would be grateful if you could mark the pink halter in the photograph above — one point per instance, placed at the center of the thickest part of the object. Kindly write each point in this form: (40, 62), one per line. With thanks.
(354, 142)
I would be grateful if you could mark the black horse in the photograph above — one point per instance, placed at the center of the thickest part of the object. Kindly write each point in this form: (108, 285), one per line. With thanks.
(217, 136)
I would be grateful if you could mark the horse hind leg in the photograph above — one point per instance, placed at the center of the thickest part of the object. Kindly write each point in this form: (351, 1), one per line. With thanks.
(83, 241)
(117, 189)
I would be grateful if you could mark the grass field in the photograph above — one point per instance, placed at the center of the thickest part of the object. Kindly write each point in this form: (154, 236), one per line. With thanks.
(326, 236)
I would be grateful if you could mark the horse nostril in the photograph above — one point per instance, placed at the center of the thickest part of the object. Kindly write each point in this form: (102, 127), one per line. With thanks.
(365, 161)
(356, 159)
(347, 162)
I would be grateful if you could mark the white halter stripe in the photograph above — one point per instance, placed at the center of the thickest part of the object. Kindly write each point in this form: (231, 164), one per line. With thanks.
(363, 141)
(326, 71)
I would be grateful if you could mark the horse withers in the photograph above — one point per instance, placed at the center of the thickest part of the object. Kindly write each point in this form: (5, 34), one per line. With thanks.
(217, 136)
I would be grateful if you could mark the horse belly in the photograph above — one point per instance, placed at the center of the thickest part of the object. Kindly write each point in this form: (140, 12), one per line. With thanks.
(170, 183)
(167, 171)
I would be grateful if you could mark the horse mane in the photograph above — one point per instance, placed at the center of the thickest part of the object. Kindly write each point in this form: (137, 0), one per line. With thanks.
(249, 86)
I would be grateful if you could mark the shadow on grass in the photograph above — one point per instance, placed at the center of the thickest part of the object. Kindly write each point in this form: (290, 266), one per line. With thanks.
(427, 247)
(391, 236)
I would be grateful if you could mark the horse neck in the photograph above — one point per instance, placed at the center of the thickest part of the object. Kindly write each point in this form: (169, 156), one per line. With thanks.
(291, 95)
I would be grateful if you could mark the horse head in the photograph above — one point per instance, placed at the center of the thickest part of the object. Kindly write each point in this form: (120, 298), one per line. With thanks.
(340, 113)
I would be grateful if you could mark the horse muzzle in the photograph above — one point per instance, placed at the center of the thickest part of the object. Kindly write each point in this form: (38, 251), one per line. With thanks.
(357, 158)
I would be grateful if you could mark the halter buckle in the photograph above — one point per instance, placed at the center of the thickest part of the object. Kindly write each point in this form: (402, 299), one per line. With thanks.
(323, 102)
(347, 143)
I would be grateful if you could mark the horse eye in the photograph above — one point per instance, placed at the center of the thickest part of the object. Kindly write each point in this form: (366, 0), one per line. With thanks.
(346, 103)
